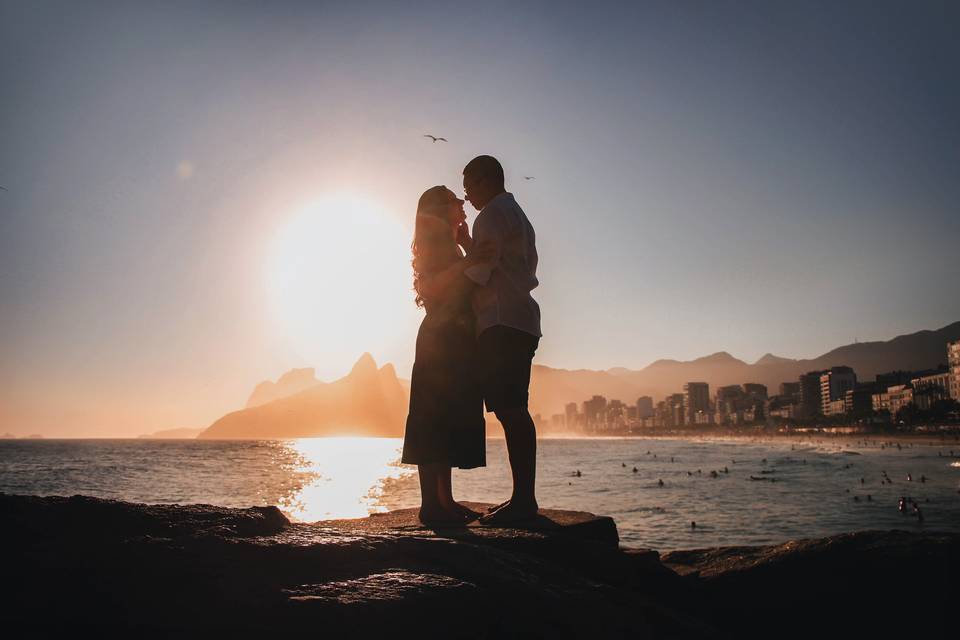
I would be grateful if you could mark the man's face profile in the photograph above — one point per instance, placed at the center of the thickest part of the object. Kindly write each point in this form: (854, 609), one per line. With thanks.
(472, 190)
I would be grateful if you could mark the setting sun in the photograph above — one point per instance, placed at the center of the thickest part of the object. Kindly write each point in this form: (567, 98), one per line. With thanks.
(340, 282)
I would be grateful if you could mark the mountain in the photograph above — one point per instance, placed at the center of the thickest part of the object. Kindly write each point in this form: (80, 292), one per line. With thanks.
(551, 389)
(173, 434)
(366, 402)
(769, 358)
(293, 381)
(373, 402)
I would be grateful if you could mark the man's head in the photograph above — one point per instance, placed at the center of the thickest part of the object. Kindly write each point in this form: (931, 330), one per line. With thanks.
(482, 180)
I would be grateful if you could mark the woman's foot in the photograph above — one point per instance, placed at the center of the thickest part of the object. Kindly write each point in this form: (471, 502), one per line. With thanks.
(438, 515)
(465, 511)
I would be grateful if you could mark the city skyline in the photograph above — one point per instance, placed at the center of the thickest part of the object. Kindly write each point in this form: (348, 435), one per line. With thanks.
(834, 395)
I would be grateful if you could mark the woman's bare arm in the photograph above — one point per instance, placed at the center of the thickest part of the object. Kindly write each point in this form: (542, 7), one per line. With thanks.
(436, 284)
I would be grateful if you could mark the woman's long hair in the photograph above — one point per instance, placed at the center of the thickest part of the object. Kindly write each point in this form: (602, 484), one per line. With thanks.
(434, 247)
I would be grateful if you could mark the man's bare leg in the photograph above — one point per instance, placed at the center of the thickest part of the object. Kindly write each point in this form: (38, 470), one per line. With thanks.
(521, 436)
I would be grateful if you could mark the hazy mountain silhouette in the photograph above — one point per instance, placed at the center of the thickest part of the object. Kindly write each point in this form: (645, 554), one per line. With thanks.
(551, 389)
(173, 434)
(373, 402)
(366, 402)
(293, 381)
(769, 358)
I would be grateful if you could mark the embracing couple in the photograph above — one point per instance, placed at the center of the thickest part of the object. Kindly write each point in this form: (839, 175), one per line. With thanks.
(475, 344)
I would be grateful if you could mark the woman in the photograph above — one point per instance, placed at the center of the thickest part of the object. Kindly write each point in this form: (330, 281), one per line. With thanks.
(445, 426)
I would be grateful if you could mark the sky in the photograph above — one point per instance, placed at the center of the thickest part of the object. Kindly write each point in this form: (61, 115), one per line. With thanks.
(200, 196)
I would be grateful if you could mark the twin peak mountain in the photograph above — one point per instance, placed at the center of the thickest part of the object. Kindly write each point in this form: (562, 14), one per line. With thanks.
(368, 401)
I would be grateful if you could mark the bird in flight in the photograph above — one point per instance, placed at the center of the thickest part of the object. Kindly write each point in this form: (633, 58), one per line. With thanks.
(4, 188)
(529, 177)
(434, 138)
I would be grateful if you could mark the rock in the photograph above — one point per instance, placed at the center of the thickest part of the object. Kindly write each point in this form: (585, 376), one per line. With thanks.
(85, 517)
(575, 525)
(869, 583)
(169, 570)
(389, 586)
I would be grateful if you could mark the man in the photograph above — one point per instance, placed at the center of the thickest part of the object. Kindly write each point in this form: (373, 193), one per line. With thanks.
(508, 325)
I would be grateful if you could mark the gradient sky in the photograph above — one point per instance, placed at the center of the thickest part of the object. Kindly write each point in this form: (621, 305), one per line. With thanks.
(747, 177)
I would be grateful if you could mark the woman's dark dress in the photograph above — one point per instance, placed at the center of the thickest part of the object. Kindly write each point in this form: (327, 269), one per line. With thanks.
(445, 423)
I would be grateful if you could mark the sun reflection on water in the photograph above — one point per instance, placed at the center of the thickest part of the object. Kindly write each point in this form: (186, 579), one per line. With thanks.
(345, 476)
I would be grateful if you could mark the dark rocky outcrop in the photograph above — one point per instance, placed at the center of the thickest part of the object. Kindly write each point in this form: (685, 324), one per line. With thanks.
(857, 585)
(84, 565)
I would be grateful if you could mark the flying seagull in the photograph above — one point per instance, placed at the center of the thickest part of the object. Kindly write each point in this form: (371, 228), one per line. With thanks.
(529, 178)
(434, 138)
(4, 188)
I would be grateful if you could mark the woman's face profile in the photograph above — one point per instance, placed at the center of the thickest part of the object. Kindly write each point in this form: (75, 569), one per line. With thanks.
(455, 213)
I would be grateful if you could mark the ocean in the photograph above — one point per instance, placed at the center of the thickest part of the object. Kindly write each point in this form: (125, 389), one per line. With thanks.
(739, 492)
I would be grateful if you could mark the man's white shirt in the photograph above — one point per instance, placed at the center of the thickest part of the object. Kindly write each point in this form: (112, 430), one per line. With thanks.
(503, 297)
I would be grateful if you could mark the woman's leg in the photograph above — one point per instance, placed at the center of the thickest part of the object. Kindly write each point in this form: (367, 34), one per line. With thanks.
(445, 486)
(429, 499)
(446, 496)
(432, 497)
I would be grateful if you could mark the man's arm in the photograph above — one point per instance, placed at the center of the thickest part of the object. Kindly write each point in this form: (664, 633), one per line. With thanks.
(488, 231)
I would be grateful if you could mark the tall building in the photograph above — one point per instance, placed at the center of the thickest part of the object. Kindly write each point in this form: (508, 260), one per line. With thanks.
(728, 401)
(834, 384)
(893, 378)
(670, 411)
(881, 401)
(834, 407)
(930, 388)
(616, 414)
(790, 389)
(953, 358)
(644, 407)
(811, 403)
(594, 411)
(570, 411)
(899, 396)
(755, 391)
(858, 402)
(696, 399)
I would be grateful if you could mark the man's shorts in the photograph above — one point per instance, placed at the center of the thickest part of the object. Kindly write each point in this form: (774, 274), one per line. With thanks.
(505, 356)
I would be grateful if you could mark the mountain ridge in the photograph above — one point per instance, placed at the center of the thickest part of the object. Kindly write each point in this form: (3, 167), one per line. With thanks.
(925, 349)
(373, 401)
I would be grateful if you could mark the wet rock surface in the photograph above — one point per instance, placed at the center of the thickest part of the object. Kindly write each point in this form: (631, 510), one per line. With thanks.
(87, 565)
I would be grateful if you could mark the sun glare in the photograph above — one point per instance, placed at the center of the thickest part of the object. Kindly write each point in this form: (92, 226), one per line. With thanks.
(341, 284)
(349, 476)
